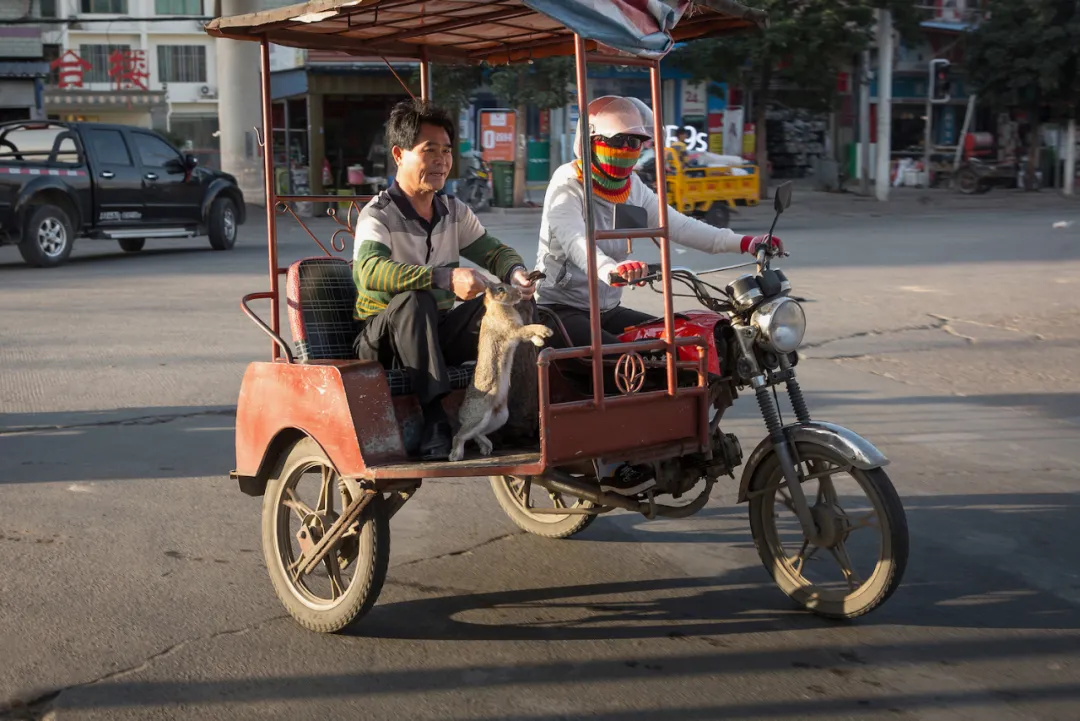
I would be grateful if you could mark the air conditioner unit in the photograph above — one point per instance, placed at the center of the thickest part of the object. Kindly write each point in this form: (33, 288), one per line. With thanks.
(207, 92)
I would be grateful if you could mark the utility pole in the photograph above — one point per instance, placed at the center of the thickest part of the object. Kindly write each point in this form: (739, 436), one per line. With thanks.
(864, 123)
(1070, 156)
(884, 116)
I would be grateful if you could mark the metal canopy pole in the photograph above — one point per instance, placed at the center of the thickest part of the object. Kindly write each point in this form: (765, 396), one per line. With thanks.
(271, 190)
(665, 245)
(590, 221)
(425, 75)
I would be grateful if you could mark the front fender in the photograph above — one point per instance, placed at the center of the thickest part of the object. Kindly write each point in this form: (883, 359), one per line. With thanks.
(216, 188)
(846, 443)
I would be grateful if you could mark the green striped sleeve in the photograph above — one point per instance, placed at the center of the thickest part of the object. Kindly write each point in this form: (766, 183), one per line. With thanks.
(489, 253)
(374, 271)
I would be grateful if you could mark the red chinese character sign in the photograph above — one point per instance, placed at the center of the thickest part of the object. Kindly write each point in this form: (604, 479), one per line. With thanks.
(71, 69)
(127, 68)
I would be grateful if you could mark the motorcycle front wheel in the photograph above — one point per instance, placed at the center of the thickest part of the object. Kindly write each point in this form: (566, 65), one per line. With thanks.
(864, 547)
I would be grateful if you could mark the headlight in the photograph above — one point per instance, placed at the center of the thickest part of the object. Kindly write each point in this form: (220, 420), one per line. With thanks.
(781, 323)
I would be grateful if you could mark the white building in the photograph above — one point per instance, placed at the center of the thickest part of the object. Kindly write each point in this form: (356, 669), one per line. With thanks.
(135, 62)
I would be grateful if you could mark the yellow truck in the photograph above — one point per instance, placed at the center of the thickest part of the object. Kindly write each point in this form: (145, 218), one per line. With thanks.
(708, 193)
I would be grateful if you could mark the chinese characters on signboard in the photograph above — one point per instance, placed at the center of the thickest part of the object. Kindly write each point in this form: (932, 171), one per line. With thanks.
(127, 69)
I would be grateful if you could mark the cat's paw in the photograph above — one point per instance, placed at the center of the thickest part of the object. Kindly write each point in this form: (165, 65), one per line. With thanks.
(485, 445)
(458, 452)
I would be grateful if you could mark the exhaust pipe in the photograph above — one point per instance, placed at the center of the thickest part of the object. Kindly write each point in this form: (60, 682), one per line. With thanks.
(561, 482)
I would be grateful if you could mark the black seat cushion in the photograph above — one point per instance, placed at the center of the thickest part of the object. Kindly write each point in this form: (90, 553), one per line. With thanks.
(321, 297)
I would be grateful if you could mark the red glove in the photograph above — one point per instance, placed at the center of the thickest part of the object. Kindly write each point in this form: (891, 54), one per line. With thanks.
(751, 244)
(629, 271)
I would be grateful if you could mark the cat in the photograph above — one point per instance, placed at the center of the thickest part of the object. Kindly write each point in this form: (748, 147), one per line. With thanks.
(522, 428)
(484, 409)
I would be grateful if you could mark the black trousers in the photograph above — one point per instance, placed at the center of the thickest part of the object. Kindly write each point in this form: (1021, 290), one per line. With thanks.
(422, 339)
(576, 322)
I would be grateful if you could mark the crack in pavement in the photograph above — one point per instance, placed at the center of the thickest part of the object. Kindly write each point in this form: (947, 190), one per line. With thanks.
(39, 706)
(938, 324)
(136, 421)
(463, 551)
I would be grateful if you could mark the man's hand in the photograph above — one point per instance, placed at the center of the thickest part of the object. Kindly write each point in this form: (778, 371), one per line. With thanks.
(520, 278)
(752, 243)
(467, 283)
(630, 271)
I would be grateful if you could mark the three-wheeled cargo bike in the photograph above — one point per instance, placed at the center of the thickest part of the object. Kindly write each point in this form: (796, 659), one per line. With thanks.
(329, 440)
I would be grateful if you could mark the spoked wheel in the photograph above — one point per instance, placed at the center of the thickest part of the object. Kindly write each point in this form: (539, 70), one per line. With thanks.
(865, 546)
(539, 513)
(301, 504)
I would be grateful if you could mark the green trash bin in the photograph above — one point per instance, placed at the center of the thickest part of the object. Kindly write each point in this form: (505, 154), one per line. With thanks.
(537, 169)
(502, 172)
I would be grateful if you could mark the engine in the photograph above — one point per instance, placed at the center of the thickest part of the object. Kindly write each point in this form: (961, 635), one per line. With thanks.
(678, 475)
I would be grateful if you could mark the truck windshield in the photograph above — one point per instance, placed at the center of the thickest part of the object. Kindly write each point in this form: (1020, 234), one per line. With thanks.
(39, 144)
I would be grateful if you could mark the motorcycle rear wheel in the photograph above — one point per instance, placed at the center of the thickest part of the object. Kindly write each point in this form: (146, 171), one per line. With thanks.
(851, 596)
(510, 493)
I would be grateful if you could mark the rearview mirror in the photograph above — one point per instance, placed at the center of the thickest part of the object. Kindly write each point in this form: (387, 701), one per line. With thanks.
(630, 217)
(190, 161)
(782, 199)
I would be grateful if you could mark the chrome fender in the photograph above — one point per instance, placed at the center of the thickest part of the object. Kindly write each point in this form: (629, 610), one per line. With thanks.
(846, 443)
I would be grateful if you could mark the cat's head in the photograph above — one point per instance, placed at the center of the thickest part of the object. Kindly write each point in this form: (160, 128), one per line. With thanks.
(502, 293)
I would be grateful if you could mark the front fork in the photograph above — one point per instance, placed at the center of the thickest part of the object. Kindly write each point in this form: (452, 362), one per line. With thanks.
(770, 412)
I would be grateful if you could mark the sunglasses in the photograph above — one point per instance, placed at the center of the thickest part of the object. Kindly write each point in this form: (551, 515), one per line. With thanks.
(633, 142)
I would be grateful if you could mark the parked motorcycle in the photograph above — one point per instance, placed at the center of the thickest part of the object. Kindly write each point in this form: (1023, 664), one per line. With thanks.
(813, 488)
(475, 188)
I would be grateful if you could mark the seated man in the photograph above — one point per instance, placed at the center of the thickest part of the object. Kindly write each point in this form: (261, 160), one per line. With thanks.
(405, 257)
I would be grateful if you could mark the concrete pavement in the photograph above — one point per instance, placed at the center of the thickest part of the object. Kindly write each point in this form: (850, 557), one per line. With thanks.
(133, 584)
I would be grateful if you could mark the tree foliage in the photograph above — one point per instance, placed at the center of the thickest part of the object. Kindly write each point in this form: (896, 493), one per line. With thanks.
(542, 83)
(1026, 54)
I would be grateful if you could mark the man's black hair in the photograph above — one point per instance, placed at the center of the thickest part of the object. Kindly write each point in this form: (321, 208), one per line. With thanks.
(403, 130)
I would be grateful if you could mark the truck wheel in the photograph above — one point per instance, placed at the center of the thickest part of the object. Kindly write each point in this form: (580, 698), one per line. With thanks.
(47, 236)
(719, 215)
(224, 222)
(131, 245)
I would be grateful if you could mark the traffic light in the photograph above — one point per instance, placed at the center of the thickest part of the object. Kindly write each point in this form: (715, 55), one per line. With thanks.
(940, 83)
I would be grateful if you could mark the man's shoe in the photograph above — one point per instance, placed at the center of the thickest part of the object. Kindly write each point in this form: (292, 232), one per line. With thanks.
(435, 441)
(628, 481)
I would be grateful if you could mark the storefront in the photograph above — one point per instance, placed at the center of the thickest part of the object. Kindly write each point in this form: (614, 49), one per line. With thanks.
(330, 117)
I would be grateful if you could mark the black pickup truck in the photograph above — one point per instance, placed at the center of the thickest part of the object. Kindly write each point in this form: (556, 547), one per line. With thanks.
(61, 181)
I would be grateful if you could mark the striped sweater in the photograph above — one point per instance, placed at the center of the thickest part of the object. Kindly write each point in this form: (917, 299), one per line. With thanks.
(395, 250)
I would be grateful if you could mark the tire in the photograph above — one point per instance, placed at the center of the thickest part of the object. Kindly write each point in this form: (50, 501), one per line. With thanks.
(718, 215)
(371, 548)
(546, 525)
(224, 224)
(131, 245)
(476, 196)
(967, 181)
(893, 531)
(47, 236)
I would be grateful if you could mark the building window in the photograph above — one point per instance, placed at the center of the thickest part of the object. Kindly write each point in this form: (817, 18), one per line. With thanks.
(50, 53)
(181, 63)
(47, 8)
(113, 7)
(98, 57)
(178, 7)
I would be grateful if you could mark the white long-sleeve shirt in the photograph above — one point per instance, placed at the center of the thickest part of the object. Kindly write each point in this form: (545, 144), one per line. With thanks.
(563, 252)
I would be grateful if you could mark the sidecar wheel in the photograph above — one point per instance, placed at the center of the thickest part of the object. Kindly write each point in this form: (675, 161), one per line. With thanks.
(510, 493)
(306, 494)
(842, 579)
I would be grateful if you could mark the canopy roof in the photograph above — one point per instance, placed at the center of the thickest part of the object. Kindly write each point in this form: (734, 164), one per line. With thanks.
(495, 31)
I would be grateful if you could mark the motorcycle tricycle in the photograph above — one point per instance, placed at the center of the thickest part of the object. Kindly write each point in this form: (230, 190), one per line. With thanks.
(329, 441)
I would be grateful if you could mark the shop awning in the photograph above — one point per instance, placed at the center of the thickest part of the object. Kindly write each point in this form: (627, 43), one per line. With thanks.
(495, 31)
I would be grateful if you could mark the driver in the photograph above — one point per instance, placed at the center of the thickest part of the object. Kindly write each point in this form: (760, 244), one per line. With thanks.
(618, 127)
(408, 244)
